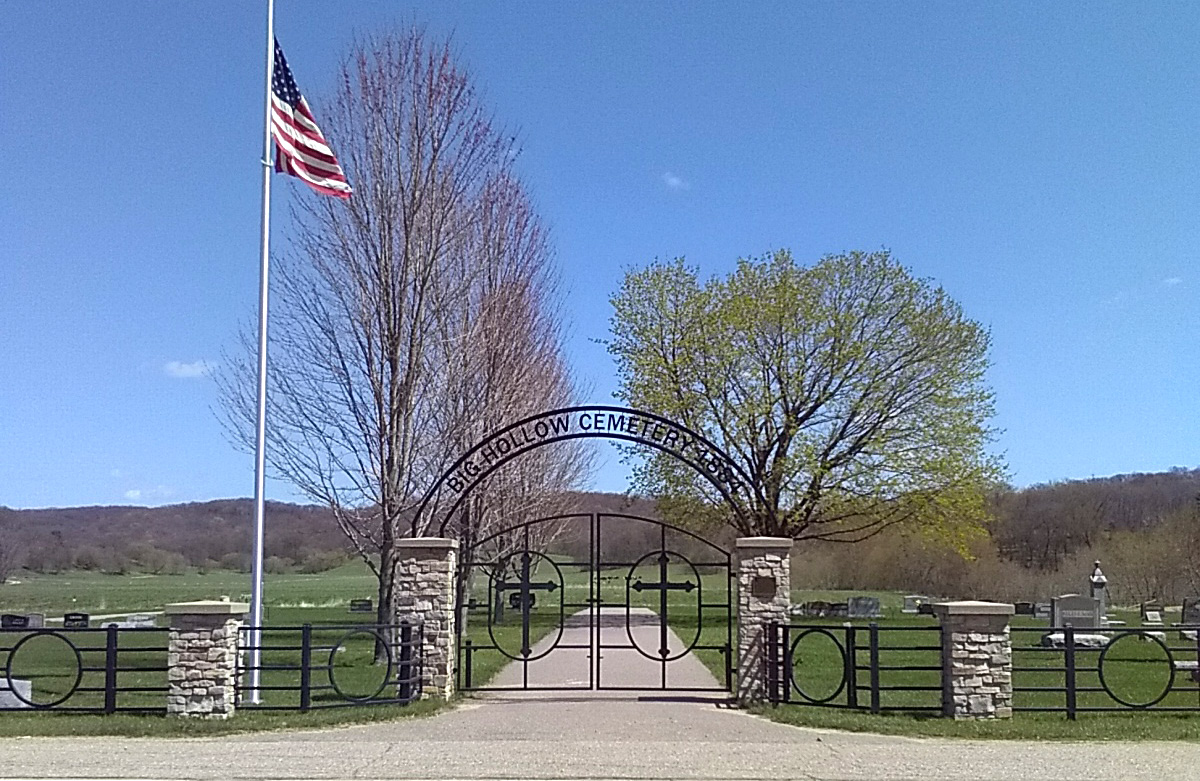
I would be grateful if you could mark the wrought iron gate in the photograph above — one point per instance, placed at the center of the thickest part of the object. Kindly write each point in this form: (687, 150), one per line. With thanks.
(577, 601)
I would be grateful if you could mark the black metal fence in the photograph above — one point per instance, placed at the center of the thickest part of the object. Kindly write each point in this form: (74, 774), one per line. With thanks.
(1075, 671)
(311, 666)
(1058, 670)
(872, 668)
(96, 670)
(118, 669)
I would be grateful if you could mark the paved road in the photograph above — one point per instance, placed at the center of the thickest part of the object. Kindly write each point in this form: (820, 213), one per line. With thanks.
(585, 736)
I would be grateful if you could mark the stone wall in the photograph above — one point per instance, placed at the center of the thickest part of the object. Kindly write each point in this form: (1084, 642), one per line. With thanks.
(764, 595)
(976, 659)
(426, 573)
(202, 650)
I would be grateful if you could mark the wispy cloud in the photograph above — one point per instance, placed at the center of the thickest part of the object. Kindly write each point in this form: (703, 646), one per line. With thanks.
(1172, 281)
(674, 182)
(185, 371)
(149, 494)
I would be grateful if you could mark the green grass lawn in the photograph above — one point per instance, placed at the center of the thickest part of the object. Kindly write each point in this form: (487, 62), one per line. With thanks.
(100, 594)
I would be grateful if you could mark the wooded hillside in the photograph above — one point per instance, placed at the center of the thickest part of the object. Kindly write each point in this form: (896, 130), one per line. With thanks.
(1144, 527)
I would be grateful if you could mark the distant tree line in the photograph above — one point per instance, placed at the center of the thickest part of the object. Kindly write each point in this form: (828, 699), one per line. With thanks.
(1145, 528)
(167, 540)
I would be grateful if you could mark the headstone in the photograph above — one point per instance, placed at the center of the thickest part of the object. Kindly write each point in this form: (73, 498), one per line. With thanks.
(1099, 590)
(1152, 606)
(76, 620)
(36, 620)
(514, 599)
(925, 608)
(1078, 611)
(139, 620)
(913, 602)
(14, 621)
(1081, 640)
(22, 687)
(1041, 610)
(1024, 609)
(1152, 618)
(1191, 611)
(362, 606)
(863, 607)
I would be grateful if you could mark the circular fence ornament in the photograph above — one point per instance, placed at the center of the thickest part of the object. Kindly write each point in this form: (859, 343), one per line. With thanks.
(354, 649)
(42, 649)
(1135, 660)
(814, 651)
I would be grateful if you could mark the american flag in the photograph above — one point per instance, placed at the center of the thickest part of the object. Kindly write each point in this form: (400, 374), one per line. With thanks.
(300, 148)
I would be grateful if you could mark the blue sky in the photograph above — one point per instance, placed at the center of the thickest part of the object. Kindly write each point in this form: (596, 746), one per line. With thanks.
(1037, 160)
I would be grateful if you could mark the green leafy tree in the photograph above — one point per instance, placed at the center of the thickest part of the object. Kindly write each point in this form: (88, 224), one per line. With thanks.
(850, 394)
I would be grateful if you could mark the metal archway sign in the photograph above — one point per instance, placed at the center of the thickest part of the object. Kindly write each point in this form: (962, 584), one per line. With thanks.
(583, 422)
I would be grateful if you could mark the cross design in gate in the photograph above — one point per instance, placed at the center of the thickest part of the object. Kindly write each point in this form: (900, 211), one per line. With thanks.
(662, 587)
(525, 587)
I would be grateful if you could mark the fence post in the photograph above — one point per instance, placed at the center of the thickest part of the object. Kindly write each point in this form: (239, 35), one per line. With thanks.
(1069, 651)
(772, 643)
(874, 640)
(789, 663)
(851, 672)
(305, 667)
(764, 595)
(405, 673)
(976, 659)
(202, 657)
(110, 670)
(426, 582)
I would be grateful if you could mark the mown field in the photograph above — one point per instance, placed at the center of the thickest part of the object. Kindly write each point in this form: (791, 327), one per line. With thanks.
(100, 594)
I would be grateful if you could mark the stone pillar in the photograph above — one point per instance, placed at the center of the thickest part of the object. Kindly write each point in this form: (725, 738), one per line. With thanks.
(764, 595)
(426, 578)
(202, 653)
(976, 659)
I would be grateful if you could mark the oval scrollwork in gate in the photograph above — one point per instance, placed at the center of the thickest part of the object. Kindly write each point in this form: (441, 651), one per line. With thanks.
(519, 582)
(651, 582)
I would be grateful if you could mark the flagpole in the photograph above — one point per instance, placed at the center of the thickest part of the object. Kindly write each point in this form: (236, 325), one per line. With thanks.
(260, 438)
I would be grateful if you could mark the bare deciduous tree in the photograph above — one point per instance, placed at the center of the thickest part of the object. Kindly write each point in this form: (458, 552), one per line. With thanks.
(401, 315)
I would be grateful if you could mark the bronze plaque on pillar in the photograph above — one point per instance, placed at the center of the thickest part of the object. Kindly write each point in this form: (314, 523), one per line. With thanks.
(763, 588)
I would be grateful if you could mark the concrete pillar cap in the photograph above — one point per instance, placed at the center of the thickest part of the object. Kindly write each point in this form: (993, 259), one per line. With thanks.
(426, 543)
(207, 607)
(770, 543)
(973, 608)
